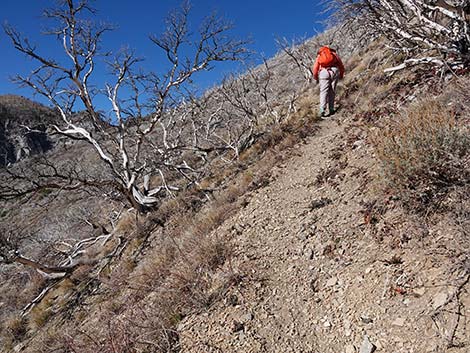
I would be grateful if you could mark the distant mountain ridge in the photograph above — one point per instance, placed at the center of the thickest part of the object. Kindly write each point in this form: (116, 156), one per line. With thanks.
(16, 141)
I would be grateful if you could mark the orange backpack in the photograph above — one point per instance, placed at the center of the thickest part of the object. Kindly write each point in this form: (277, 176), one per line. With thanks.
(326, 58)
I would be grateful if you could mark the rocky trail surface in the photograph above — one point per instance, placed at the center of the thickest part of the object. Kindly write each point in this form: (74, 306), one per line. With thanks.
(324, 270)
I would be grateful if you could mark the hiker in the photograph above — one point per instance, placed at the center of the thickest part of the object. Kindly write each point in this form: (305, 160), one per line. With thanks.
(327, 70)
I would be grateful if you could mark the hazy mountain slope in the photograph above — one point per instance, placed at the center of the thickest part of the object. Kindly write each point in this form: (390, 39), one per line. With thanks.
(16, 142)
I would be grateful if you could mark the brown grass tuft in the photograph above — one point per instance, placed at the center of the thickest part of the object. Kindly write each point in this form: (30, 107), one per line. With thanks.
(40, 314)
(15, 328)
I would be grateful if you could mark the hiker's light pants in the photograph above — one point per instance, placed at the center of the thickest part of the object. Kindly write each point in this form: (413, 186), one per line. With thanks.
(328, 80)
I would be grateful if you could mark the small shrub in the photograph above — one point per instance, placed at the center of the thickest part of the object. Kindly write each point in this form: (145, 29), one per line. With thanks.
(16, 327)
(126, 223)
(325, 175)
(45, 192)
(424, 154)
(40, 314)
(3, 212)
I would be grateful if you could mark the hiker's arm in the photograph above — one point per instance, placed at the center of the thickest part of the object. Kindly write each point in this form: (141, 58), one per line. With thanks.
(315, 69)
(341, 67)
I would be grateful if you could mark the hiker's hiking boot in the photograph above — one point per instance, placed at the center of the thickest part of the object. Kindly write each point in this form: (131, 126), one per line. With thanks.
(326, 114)
(335, 110)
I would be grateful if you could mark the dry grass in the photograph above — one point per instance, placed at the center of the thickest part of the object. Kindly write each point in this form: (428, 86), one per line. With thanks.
(371, 94)
(424, 154)
(40, 314)
(185, 266)
(178, 262)
(176, 276)
(126, 223)
(13, 330)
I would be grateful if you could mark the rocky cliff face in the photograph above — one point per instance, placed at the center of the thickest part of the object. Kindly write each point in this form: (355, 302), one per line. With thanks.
(23, 128)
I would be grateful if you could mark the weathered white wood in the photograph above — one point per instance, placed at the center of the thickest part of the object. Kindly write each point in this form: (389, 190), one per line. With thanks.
(421, 28)
(412, 62)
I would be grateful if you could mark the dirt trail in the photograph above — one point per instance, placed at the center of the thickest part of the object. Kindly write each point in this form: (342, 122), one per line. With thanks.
(314, 277)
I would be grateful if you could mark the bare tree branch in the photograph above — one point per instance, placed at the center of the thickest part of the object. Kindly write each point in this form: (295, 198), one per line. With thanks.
(420, 27)
(141, 138)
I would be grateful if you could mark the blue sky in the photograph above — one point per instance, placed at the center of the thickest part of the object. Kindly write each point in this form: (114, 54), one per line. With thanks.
(260, 20)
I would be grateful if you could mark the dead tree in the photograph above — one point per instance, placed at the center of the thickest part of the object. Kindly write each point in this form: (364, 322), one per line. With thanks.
(68, 253)
(140, 145)
(244, 107)
(10, 253)
(71, 256)
(435, 32)
(301, 53)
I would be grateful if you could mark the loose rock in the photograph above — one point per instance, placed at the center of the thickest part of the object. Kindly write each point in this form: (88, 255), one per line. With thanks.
(246, 317)
(237, 326)
(367, 346)
(366, 319)
(319, 203)
(331, 282)
(399, 322)
(439, 300)
(419, 292)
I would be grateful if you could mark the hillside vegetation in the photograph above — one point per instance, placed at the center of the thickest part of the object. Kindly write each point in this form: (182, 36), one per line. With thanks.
(349, 234)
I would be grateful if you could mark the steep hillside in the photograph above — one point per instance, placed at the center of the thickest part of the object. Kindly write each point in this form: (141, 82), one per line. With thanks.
(49, 225)
(349, 234)
(328, 264)
(350, 248)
